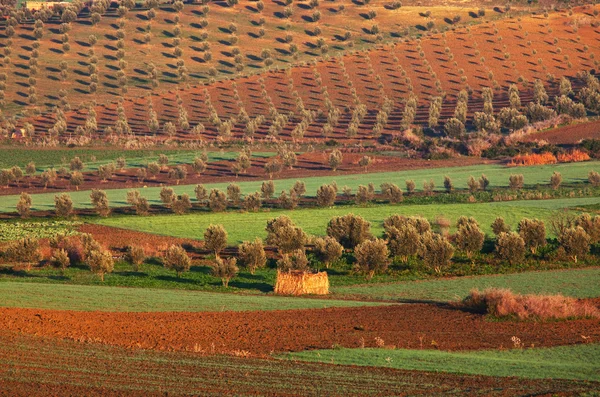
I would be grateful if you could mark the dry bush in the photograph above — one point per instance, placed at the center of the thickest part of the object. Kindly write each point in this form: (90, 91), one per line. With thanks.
(215, 238)
(24, 205)
(392, 193)
(182, 204)
(594, 178)
(515, 181)
(555, 180)
(436, 251)
(573, 156)
(26, 250)
(60, 259)
(63, 205)
(326, 195)
(510, 247)
(135, 256)
(225, 269)
(217, 201)
(499, 226)
(349, 230)
(365, 194)
(267, 189)
(100, 262)
(504, 303)
(575, 241)
(252, 254)
(285, 235)
(533, 159)
(177, 259)
(469, 238)
(403, 241)
(372, 256)
(591, 225)
(327, 250)
(167, 196)
(293, 261)
(533, 232)
(100, 203)
(421, 224)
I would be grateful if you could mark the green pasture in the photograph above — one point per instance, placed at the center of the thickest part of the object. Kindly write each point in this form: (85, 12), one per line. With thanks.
(497, 174)
(116, 299)
(246, 226)
(578, 362)
(578, 283)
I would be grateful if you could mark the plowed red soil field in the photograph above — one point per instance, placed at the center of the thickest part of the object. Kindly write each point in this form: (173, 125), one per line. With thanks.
(262, 333)
(40, 366)
(570, 134)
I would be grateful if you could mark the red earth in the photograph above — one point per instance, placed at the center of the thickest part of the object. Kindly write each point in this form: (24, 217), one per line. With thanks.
(263, 333)
(44, 366)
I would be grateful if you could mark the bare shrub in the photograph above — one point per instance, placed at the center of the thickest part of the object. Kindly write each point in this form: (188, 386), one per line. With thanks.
(594, 178)
(590, 224)
(177, 259)
(335, 159)
(515, 181)
(372, 256)
(421, 224)
(285, 235)
(225, 269)
(100, 262)
(234, 193)
(100, 203)
(403, 241)
(436, 251)
(327, 250)
(267, 189)
(469, 238)
(60, 259)
(25, 250)
(24, 205)
(135, 256)
(410, 186)
(217, 200)
(499, 226)
(299, 188)
(295, 260)
(252, 254)
(326, 195)
(365, 194)
(349, 230)
(252, 202)
(504, 303)
(215, 239)
(533, 232)
(182, 204)
(392, 193)
(510, 247)
(555, 180)
(167, 196)
(575, 241)
(63, 205)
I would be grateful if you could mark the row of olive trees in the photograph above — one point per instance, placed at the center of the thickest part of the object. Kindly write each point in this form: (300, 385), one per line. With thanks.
(404, 238)
(219, 201)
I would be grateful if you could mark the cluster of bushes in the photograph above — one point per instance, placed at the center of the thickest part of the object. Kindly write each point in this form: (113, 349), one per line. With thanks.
(404, 239)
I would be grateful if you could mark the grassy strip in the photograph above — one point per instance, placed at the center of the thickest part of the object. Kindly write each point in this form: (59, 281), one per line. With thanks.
(247, 226)
(498, 175)
(578, 362)
(88, 298)
(578, 283)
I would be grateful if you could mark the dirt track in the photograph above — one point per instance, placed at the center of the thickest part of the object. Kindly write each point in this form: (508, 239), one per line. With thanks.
(262, 333)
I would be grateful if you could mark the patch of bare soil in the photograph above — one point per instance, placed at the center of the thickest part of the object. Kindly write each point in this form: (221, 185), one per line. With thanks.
(262, 333)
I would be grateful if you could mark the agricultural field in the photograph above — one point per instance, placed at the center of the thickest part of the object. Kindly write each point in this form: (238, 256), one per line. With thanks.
(299, 198)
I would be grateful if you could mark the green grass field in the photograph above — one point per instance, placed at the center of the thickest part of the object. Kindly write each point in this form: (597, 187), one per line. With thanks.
(247, 226)
(578, 283)
(498, 175)
(115, 299)
(563, 362)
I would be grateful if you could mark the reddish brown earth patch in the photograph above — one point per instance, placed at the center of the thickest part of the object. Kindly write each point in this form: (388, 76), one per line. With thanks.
(262, 333)
(39, 366)
(116, 239)
(568, 135)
